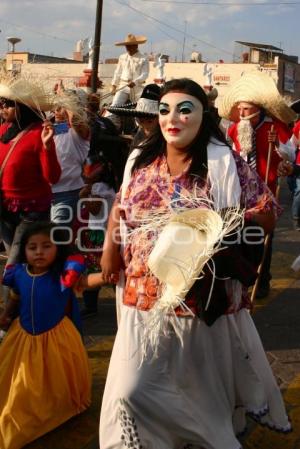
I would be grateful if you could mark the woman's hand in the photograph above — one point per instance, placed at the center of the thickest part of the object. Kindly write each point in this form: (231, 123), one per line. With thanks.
(47, 134)
(111, 263)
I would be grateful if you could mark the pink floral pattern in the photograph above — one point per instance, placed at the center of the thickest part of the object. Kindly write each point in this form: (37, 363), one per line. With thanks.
(152, 190)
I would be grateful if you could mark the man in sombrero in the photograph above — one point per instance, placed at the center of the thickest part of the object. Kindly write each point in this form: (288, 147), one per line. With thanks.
(131, 72)
(260, 116)
(145, 113)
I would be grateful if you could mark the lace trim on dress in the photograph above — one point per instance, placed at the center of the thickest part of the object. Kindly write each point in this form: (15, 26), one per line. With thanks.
(129, 436)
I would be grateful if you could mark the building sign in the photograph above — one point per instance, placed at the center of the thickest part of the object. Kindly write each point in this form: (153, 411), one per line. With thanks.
(221, 79)
(289, 77)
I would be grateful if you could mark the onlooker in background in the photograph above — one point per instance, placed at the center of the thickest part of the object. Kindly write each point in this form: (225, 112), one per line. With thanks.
(72, 145)
(106, 144)
(293, 172)
(28, 159)
(295, 139)
(145, 113)
(99, 193)
(263, 119)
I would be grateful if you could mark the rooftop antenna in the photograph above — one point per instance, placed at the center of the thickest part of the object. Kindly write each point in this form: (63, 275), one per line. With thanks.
(13, 41)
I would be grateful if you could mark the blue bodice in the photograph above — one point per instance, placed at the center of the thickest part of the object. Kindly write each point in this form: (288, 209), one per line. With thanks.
(43, 301)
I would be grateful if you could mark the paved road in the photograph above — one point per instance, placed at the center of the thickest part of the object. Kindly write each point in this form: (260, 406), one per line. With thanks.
(277, 319)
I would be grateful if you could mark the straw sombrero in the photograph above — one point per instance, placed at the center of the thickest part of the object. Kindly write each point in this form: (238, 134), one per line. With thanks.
(258, 88)
(131, 39)
(184, 246)
(23, 91)
(146, 106)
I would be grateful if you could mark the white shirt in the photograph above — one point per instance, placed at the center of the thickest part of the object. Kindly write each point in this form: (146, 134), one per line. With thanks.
(131, 68)
(71, 152)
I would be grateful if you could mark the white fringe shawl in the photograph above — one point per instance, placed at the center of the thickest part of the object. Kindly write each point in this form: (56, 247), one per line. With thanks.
(227, 216)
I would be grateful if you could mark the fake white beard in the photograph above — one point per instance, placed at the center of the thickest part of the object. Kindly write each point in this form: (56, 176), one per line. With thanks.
(245, 134)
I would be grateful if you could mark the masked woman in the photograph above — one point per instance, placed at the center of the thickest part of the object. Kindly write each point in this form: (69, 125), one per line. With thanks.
(191, 362)
(27, 159)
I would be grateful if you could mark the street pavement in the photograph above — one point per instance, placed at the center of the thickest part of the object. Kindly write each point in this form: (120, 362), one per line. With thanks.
(277, 319)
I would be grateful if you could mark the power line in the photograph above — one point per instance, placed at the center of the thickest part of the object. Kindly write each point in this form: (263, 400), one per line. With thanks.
(35, 31)
(162, 30)
(174, 28)
(186, 2)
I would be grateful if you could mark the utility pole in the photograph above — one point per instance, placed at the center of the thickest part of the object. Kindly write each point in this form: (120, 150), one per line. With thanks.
(183, 44)
(96, 48)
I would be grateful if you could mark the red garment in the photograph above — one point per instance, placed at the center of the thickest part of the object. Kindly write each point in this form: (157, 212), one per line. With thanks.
(30, 168)
(296, 132)
(262, 147)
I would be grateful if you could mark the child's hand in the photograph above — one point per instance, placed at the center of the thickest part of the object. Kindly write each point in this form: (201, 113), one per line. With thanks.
(80, 285)
(113, 278)
(5, 321)
(85, 191)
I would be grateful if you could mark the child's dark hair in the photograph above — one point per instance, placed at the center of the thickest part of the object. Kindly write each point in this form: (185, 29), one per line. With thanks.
(54, 231)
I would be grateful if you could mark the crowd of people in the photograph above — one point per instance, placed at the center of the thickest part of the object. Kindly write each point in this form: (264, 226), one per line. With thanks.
(80, 209)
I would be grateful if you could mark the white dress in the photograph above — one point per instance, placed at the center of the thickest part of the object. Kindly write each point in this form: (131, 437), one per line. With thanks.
(196, 392)
(198, 395)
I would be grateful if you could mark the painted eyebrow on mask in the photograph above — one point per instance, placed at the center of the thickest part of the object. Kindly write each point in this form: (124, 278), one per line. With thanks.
(163, 108)
(183, 104)
(187, 104)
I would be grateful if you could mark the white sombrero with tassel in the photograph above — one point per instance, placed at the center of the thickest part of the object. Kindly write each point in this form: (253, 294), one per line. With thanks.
(185, 245)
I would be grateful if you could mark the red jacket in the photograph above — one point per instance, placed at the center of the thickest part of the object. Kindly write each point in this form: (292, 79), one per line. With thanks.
(296, 132)
(30, 169)
(262, 146)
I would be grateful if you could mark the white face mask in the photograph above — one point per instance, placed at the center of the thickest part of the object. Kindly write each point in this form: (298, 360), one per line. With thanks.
(180, 118)
(247, 111)
(249, 117)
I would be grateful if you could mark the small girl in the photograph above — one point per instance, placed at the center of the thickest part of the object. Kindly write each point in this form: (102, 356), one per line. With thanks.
(44, 371)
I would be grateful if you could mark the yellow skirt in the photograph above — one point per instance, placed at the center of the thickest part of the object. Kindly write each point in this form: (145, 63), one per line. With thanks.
(44, 381)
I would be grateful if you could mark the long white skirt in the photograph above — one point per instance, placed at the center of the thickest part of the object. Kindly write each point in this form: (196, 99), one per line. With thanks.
(194, 394)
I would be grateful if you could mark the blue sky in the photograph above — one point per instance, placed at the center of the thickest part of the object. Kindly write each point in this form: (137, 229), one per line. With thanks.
(54, 26)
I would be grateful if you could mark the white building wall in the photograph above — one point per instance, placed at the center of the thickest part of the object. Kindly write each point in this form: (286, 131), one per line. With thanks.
(219, 75)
